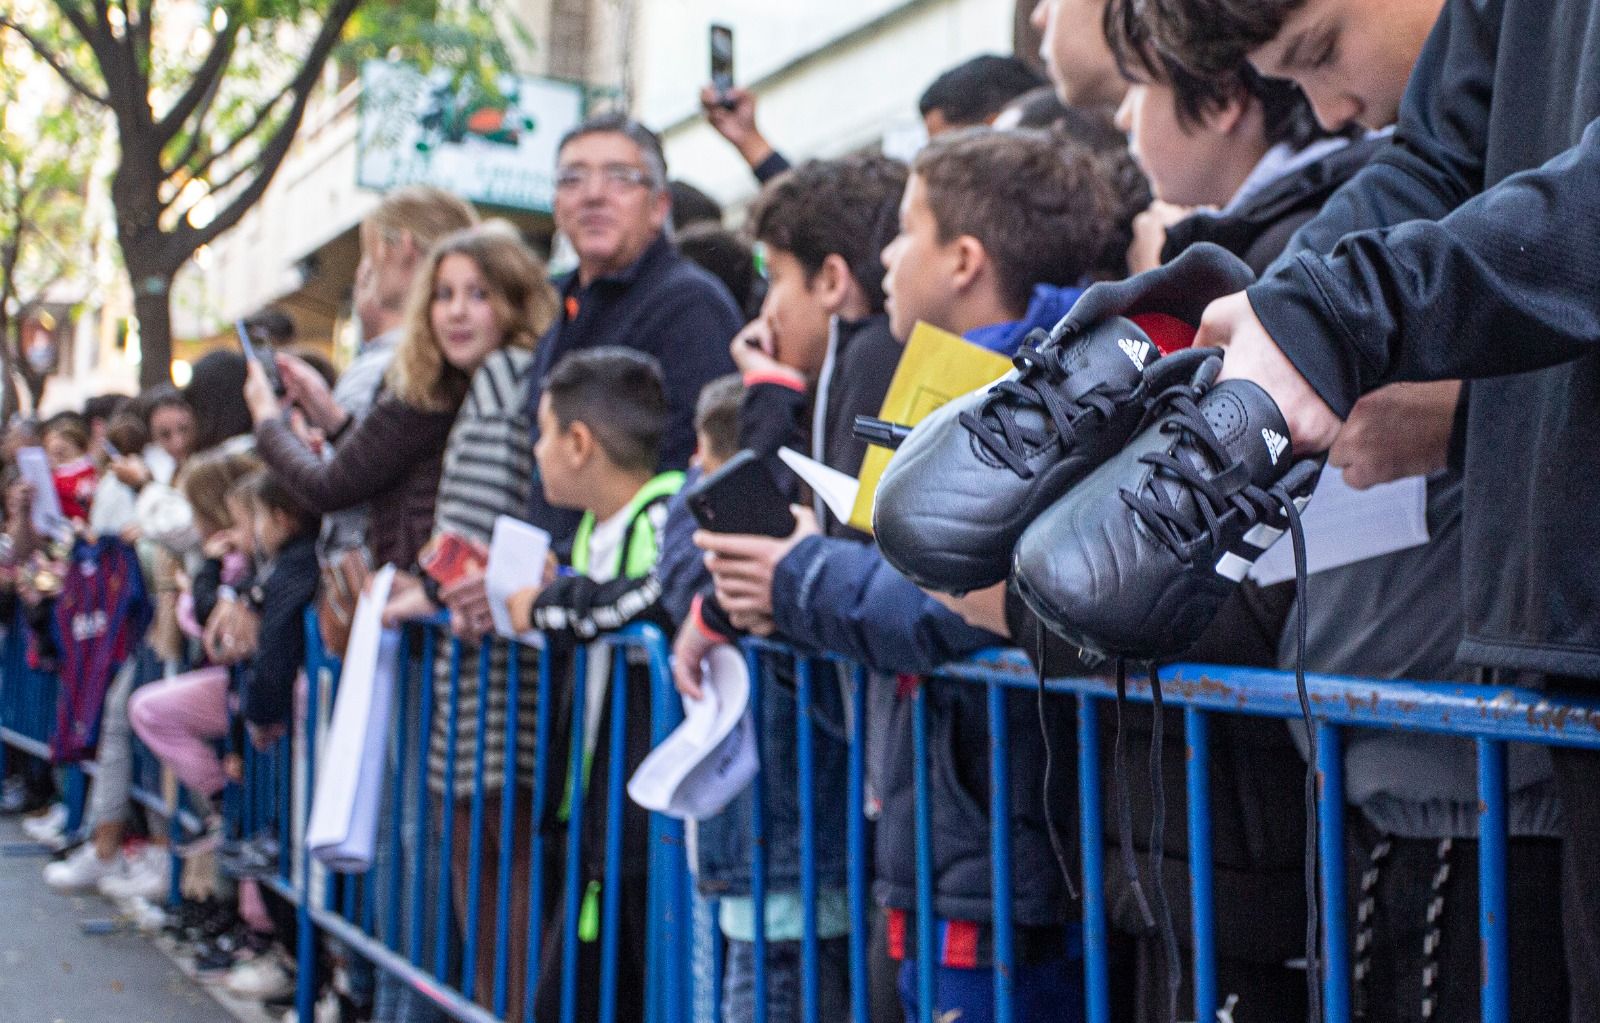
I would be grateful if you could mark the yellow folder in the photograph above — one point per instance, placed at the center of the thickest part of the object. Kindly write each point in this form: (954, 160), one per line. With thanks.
(936, 367)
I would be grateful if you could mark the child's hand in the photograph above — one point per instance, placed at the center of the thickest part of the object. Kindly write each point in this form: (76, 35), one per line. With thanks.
(742, 567)
(755, 353)
(982, 609)
(218, 546)
(406, 604)
(688, 650)
(468, 601)
(131, 470)
(264, 737)
(233, 767)
(519, 607)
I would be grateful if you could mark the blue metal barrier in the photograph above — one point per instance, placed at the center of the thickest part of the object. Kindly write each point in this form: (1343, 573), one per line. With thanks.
(412, 937)
(437, 920)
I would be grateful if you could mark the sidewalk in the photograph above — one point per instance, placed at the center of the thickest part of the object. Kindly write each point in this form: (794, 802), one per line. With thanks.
(52, 972)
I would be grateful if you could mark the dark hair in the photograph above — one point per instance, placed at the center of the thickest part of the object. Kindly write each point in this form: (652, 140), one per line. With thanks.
(267, 490)
(692, 206)
(716, 415)
(617, 123)
(1286, 115)
(846, 207)
(1215, 36)
(972, 92)
(103, 406)
(270, 326)
(724, 255)
(216, 393)
(145, 403)
(73, 426)
(619, 395)
(127, 433)
(1040, 204)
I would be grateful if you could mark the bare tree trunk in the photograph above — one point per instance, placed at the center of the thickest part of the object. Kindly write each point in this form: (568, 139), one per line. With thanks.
(152, 295)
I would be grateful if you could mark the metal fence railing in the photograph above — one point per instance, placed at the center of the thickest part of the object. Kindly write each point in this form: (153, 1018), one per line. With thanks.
(607, 927)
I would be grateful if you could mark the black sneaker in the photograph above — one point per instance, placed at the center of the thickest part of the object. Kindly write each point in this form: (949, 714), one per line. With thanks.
(971, 477)
(1136, 560)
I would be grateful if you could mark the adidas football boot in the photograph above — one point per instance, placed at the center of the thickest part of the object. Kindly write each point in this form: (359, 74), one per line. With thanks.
(1136, 559)
(967, 481)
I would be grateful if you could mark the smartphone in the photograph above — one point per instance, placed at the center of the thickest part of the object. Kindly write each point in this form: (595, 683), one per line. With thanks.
(741, 497)
(265, 361)
(110, 449)
(722, 63)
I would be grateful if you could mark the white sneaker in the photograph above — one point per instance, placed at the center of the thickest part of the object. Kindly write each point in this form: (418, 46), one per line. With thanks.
(148, 918)
(148, 876)
(47, 825)
(262, 978)
(81, 871)
(327, 1011)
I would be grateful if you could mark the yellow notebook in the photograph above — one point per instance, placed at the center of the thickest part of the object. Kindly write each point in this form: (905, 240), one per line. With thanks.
(936, 367)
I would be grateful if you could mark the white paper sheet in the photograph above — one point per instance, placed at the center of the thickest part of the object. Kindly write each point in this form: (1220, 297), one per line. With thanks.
(517, 553)
(837, 490)
(35, 469)
(1344, 525)
(342, 831)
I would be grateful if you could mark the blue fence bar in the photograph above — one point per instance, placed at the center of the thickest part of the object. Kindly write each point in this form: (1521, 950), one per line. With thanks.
(1197, 740)
(1005, 959)
(1492, 903)
(1335, 953)
(856, 846)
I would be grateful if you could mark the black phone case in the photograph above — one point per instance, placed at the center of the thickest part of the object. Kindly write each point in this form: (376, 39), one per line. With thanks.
(741, 497)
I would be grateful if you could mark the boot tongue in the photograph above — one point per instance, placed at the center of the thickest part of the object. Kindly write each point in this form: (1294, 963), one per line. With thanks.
(1113, 353)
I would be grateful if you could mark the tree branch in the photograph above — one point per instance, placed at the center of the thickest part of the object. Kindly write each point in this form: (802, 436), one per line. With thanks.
(185, 236)
(201, 91)
(57, 62)
(264, 112)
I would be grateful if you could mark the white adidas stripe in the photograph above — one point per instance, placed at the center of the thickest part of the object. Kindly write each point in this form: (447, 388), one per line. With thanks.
(1231, 566)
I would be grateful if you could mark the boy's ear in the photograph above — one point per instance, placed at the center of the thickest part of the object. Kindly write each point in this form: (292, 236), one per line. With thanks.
(1227, 117)
(834, 282)
(969, 260)
(580, 443)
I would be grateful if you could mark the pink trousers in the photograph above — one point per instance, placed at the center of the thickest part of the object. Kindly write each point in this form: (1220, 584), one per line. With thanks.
(179, 719)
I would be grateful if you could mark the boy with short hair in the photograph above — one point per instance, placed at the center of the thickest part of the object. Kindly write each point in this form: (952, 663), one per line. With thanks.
(996, 229)
(602, 415)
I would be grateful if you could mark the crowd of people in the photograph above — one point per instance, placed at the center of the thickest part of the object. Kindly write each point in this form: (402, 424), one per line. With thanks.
(1362, 205)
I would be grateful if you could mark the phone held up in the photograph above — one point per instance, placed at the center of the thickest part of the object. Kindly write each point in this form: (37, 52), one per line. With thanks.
(262, 358)
(722, 64)
(741, 497)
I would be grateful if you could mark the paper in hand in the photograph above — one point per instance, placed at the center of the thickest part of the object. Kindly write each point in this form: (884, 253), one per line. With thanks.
(1344, 525)
(517, 555)
(35, 469)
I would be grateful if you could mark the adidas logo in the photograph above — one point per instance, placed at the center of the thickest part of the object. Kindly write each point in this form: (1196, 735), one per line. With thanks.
(1138, 351)
(1276, 442)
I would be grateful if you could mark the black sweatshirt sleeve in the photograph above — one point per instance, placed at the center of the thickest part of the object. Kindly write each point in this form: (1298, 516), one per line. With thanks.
(1410, 274)
(281, 646)
(1505, 284)
(576, 609)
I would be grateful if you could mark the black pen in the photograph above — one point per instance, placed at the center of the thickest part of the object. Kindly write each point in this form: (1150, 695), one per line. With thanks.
(880, 432)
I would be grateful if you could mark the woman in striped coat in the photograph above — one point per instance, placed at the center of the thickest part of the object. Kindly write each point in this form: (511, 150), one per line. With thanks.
(489, 294)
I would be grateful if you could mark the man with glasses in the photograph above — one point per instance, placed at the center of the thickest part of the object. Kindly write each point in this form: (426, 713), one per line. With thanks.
(632, 287)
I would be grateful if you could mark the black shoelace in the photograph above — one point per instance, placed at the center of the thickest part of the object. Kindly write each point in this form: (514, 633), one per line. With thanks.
(1214, 497)
(994, 423)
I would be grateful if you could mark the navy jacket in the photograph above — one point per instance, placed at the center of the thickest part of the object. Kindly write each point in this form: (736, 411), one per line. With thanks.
(1440, 260)
(664, 306)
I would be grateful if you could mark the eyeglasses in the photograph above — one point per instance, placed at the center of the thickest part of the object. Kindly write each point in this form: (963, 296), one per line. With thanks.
(614, 177)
